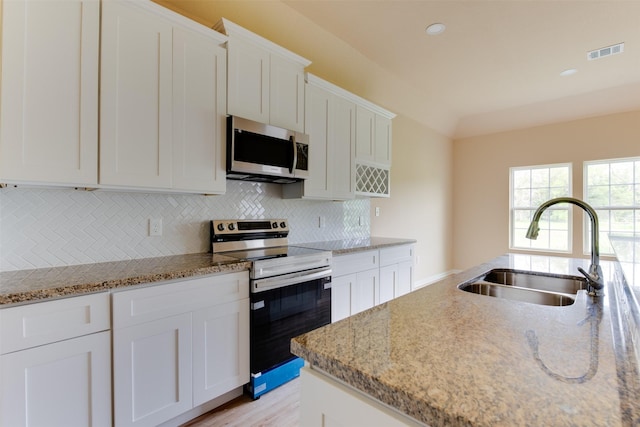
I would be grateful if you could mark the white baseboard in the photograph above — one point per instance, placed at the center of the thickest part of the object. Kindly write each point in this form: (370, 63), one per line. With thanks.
(432, 279)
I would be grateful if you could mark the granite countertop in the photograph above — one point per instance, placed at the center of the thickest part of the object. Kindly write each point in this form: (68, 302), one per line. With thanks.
(340, 247)
(451, 358)
(26, 286)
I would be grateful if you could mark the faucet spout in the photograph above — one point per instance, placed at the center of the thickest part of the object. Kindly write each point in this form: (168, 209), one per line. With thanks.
(595, 281)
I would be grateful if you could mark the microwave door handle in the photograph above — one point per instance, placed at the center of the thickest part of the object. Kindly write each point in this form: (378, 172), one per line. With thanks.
(295, 154)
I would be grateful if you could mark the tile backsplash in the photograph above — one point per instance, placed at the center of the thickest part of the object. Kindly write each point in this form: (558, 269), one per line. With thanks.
(57, 227)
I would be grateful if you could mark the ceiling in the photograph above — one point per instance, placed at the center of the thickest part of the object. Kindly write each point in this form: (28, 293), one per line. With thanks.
(497, 66)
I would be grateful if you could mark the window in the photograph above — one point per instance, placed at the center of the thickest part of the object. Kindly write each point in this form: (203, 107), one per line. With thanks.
(612, 188)
(530, 187)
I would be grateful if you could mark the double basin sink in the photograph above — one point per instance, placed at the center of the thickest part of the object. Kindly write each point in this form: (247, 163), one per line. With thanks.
(525, 286)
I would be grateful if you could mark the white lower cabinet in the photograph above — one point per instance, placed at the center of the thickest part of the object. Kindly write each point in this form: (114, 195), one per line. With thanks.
(396, 271)
(178, 345)
(152, 371)
(365, 279)
(341, 296)
(365, 292)
(354, 284)
(220, 350)
(55, 363)
(326, 402)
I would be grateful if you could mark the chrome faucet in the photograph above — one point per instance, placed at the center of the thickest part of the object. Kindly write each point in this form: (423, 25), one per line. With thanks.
(595, 281)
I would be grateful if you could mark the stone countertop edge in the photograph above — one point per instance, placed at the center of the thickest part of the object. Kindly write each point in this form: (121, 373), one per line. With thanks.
(347, 246)
(27, 286)
(445, 357)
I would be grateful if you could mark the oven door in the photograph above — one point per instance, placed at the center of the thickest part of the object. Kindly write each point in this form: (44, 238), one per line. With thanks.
(281, 313)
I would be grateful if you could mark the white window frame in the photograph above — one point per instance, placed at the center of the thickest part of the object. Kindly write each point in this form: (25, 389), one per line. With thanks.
(565, 207)
(605, 224)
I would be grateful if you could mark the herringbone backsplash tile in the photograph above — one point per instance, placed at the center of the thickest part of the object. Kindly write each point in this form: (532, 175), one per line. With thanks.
(56, 227)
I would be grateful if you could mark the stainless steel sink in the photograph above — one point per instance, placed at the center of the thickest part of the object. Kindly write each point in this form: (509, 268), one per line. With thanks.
(535, 288)
(541, 282)
(518, 294)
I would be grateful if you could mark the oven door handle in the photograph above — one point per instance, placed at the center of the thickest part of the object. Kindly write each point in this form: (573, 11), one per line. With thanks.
(289, 279)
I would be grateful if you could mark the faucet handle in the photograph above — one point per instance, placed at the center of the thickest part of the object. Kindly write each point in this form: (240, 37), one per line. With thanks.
(594, 282)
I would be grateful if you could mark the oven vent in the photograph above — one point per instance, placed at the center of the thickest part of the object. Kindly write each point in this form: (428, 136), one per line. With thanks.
(605, 51)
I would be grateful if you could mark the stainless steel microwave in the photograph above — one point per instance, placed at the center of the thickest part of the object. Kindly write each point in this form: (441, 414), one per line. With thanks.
(265, 153)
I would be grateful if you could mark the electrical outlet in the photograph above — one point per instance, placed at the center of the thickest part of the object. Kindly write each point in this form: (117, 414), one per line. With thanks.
(321, 222)
(377, 211)
(155, 226)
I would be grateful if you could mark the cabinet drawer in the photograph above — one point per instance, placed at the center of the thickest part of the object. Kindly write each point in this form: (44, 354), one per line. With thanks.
(396, 254)
(46, 322)
(175, 297)
(353, 263)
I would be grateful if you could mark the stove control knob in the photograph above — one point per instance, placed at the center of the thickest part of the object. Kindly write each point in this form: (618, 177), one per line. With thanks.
(274, 225)
(232, 227)
(283, 224)
(221, 227)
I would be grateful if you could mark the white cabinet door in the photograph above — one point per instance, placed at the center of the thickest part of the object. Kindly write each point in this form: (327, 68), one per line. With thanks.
(264, 87)
(405, 278)
(135, 97)
(199, 113)
(286, 94)
(388, 282)
(318, 125)
(365, 134)
(382, 153)
(342, 166)
(49, 109)
(220, 350)
(366, 291)
(341, 296)
(67, 383)
(248, 81)
(152, 371)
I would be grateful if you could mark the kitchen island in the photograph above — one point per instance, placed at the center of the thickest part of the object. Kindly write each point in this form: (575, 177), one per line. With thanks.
(443, 357)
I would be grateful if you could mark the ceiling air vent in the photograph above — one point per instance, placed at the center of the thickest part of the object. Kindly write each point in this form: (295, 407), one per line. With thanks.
(605, 51)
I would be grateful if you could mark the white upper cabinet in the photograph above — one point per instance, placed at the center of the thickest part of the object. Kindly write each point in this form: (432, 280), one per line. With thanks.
(199, 113)
(330, 124)
(248, 81)
(49, 119)
(382, 140)
(265, 81)
(373, 150)
(286, 93)
(319, 126)
(344, 149)
(163, 97)
(365, 134)
(373, 136)
(135, 95)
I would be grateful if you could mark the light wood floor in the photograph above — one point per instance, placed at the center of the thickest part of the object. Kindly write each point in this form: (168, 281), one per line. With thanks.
(278, 408)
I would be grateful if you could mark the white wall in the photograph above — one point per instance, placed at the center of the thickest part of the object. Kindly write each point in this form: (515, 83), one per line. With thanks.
(481, 175)
(420, 203)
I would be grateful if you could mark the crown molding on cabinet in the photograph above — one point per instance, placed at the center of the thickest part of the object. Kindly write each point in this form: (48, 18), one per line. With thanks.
(234, 30)
(176, 18)
(337, 90)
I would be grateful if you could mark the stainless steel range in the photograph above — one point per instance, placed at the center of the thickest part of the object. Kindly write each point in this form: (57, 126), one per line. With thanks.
(290, 294)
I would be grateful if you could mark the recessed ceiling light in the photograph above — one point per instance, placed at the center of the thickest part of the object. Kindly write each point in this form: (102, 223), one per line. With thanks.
(568, 72)
(435, 29)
